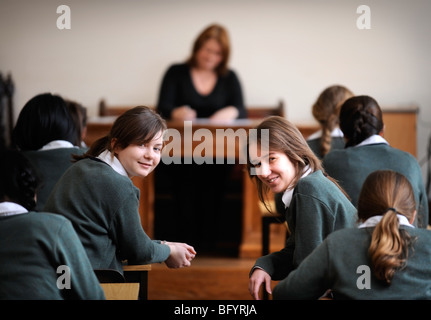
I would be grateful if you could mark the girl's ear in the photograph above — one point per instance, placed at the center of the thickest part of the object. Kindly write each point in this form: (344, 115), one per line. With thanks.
(113, 145)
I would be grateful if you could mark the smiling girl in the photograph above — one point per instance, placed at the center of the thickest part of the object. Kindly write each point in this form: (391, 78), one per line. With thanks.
(312, 203)
(99, 197)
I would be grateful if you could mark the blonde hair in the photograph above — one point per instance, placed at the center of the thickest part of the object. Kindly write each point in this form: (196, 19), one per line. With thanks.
(220, 34)
(387, 193)
(326, 110)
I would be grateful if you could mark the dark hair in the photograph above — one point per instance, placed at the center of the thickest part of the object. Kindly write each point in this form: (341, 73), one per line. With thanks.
(135, 126)
(79, 116)
(44, 118)
(387, 193)
(19, 180)
(218, 33)
(360, 118)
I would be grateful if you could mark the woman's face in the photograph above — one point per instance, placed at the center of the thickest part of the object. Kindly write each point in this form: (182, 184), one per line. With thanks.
(140, 160)
(210, 55)
(273, 168)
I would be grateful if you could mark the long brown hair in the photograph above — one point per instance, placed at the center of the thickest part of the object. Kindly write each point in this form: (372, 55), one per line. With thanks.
(136, 126)
(284, 137)
(387, 193)
(220, 34)
(326, 111)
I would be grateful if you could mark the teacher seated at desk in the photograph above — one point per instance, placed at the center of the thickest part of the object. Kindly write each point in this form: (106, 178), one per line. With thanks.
(203, 86)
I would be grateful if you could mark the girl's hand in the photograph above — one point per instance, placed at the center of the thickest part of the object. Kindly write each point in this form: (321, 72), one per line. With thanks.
(257, 278)
(181, 255)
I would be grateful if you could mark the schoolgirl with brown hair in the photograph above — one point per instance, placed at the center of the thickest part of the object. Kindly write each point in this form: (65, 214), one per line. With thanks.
(386, 258)
(280, 161)
(326, 111)
(98, 196)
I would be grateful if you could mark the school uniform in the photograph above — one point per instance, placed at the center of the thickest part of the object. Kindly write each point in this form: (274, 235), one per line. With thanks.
(32, 247)
(313, 209)
(337, 141)
(51, 162)
(342, 263)
(351, 166)
(102, 203)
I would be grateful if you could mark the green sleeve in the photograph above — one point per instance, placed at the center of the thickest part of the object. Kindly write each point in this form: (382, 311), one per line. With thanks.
(309, 280)
(133, 243)
(71, 253)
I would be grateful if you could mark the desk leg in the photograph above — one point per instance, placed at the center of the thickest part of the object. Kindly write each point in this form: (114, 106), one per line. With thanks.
(142, 278)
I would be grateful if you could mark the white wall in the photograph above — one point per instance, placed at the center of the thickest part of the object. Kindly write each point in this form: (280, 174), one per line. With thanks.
(282, 49)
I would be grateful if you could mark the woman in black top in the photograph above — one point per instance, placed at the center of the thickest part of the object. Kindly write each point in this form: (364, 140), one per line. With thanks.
(203, 86)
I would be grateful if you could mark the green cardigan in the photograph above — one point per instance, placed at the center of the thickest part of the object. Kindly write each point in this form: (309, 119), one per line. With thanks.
(336, 143)
(32, 246)
(351, 166)
(340, 264)
(318, 207)
(103, 206)
(51, 165)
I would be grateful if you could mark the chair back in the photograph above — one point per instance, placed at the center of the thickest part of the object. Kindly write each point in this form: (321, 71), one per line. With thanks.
(109, 276)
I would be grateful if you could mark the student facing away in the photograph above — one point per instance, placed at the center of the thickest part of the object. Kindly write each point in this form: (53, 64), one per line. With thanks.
(33, 245)
(367, 151)
(386, 258)
(314, 205)
(45, 132)
(326, 111)
(98, 195)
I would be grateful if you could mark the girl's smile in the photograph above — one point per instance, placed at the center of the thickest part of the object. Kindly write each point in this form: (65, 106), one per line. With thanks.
(274, 169)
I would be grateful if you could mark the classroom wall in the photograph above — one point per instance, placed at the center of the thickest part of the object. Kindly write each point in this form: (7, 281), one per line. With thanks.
(281, 49)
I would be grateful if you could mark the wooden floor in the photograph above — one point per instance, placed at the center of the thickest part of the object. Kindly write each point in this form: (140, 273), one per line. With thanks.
(209, 278)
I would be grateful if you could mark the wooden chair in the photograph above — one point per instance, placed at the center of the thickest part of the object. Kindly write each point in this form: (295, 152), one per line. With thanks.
(260, 112)
(105, 110)
(138, 273)
(114, 285)
(121, 291)
(133, 274)
(109, 276)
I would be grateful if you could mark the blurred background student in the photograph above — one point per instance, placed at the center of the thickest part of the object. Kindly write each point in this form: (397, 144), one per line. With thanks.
(79, 116)
(386, 258)
(202, 87)
(367, 151)
(46, 133)
(34, 245)
(326, 111)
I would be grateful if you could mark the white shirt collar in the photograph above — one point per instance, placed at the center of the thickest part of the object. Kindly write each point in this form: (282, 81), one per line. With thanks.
(334, 134)
(56, 144)
(287, 195)
(11, 209)
(374, 220)
(372, 140)
(113, 162)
